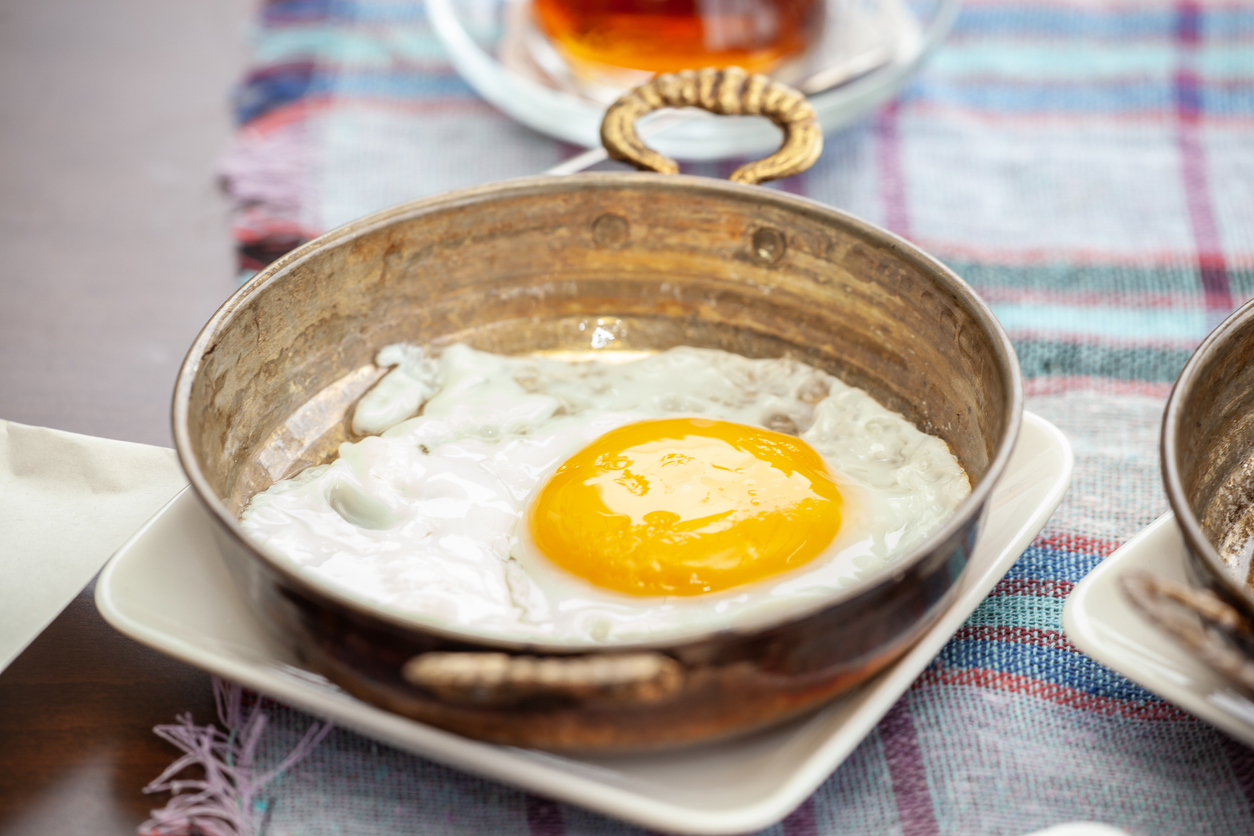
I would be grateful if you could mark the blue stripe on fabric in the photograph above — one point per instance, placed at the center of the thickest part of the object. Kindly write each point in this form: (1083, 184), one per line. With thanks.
(1121, 25)
(1181, 278)
(1124, 96)
(1041, 357)
(1089, 62)
(278, 12)
(1041, 563)
(365, 11)
(274, 88)
(1034, 611)
(1228, 23)
(1227, 101)
(398, 85)
(283, 85)
(1225, 24)
(1146, 324)
(359, 49)
(1045, 664)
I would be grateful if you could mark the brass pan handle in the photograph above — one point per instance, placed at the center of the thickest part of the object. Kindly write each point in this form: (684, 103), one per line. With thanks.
(731, 92)
(1201, 621)
(500, 679)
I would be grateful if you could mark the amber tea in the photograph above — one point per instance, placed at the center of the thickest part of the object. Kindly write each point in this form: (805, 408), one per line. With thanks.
(667, 35)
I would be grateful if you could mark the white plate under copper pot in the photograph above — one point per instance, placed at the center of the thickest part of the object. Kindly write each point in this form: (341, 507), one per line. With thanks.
(169, 588)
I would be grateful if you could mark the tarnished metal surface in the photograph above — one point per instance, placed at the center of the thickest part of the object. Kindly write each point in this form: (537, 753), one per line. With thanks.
(1208, 457)
(655, 262)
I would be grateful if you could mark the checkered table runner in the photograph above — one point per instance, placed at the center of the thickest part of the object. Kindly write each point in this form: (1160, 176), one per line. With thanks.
(1087, 165)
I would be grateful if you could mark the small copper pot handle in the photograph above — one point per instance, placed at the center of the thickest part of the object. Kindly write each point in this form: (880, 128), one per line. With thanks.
(500, 679)
(730, 92)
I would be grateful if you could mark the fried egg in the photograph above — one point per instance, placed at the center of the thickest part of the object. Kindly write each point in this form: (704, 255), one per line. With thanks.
(594, 502)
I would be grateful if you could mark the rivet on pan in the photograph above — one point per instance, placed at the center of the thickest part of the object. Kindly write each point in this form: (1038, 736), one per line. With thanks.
(768, 245)
(610, 231)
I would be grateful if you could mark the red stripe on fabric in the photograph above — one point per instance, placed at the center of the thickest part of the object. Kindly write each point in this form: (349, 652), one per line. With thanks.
(1043, 386)
(904, 758)
(1078, 84)
(284, 115)
(1077, 543)
(801, 822)
(892, 178)
(264, 229)
(1107, 9)
(798, 184)
(1034, 588)
(309, 106)
(544, 817)
(722, 168)
(1084, 338)
(296, 65)
(1188, 21)
(453, 104)
(977, 38)
(1077, 257)
(569, 149)
(1019, 635)
(1051, 692)
(1241, 760)
(1057, 120)
(1101, 341)
(1052, 120)
(1178, 300)
(1210, 257)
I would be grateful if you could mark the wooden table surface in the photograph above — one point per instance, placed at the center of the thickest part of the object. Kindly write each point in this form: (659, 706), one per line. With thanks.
(116, 249)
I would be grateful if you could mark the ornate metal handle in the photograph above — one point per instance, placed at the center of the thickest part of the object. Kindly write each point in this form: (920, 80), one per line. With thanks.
(499, 678)
(731, 92)
(1199, 619)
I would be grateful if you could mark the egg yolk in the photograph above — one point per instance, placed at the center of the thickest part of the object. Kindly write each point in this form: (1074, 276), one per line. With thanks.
(685, 506)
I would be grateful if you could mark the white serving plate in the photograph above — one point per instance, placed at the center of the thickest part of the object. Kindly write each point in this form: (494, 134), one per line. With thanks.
(1101, 622)
(168, 588)
(470, 33)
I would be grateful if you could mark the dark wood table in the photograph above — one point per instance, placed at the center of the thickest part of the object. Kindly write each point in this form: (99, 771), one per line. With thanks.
(116, 249)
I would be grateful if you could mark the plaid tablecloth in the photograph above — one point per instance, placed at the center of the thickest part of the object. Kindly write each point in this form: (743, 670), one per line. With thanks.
(1087, 165)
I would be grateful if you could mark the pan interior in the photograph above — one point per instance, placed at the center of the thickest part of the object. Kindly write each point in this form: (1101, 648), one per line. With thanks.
(1214, 446)
(540, 265)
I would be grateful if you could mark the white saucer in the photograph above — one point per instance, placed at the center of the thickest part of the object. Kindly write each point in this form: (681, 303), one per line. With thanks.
(1101, 622)
(471, 33)
(167, 587)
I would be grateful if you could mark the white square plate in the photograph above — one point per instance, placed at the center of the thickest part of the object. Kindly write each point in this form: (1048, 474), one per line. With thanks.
(1101, 622)
(167, 587)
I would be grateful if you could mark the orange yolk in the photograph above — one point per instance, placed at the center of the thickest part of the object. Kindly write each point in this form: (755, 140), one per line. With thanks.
(684, 506)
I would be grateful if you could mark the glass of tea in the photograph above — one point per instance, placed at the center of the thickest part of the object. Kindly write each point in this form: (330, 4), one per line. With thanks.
(602, 39)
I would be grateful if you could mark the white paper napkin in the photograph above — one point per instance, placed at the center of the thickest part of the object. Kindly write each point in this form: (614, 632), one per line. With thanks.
(67, 502)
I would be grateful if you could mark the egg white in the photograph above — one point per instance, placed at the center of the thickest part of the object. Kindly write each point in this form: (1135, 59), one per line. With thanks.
(426, 516)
